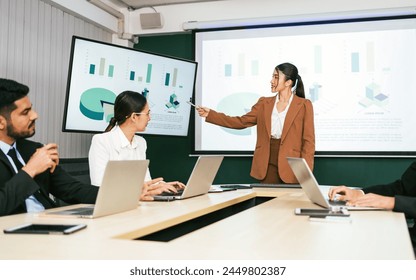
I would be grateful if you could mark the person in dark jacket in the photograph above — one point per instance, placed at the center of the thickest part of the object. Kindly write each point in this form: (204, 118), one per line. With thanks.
(30, 171)
(399, 196)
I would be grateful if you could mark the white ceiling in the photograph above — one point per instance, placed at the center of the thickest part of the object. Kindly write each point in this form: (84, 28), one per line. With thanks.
(137, 4)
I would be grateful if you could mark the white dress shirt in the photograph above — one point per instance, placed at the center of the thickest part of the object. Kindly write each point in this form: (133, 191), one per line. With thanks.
(278, 119)
(114, 145)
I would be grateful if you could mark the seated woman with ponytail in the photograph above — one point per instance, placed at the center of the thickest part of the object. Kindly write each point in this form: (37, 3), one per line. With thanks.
(120, 142)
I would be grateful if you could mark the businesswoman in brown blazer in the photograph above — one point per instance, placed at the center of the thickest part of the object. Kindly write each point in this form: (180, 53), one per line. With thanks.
(285, 127)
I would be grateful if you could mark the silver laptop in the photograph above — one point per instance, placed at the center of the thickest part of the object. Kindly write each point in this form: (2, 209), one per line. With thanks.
(200, 181)
(120, 191)
(311, 187)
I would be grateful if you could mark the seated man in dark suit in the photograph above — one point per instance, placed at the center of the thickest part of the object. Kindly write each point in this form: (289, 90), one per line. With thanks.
(399, 196)
(29, 171)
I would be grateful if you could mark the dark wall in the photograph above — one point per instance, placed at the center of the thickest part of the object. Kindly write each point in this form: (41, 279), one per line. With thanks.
(169, 156)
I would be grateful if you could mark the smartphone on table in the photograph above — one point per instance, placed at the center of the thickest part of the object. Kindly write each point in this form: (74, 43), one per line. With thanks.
(44, 229)
(341, 212)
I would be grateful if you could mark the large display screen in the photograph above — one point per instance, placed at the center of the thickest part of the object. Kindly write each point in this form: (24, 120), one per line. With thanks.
(359, 74)
(99, 71)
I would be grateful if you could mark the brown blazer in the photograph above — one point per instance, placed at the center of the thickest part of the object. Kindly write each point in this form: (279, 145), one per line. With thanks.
(298, 136)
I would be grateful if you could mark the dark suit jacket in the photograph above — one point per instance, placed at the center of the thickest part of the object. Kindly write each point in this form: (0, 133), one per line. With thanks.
(403, 190)
(404, 193)
(16, 188)
(298, 136)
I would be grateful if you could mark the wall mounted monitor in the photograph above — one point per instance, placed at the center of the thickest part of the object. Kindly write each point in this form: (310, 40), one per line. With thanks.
(99, 71)
(360, 75)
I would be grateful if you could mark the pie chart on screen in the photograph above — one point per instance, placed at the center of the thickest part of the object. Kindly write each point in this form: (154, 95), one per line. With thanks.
(238, 104)
(97, 103)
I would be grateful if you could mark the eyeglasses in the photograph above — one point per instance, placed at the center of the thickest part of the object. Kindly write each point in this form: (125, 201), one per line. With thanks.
(148, 114)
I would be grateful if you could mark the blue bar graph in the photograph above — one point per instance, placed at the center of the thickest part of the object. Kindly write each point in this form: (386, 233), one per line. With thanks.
(355, 62)
(92, 69)
(149, 73)
(227, 70)
(132, 74)
(111, 71)
(167, 78)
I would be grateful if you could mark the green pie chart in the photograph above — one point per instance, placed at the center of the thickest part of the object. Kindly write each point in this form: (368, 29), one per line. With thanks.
(94, 100)
(238, 104)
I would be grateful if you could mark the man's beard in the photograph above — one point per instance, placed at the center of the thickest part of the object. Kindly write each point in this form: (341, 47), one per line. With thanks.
(11, 132)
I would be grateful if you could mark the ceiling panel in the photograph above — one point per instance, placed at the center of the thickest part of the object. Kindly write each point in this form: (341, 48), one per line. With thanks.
(137, 4)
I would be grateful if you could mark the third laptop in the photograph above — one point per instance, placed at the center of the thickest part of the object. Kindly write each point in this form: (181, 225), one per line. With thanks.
(311, 187)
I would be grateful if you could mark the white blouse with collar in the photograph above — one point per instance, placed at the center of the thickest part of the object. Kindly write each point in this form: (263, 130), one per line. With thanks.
(113, 145)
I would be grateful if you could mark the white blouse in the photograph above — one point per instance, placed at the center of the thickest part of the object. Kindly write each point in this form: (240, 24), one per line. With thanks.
(114, 145)
(278, 119)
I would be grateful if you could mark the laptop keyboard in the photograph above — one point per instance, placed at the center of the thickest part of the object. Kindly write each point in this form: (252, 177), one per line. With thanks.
(337, 202)
(179, 193)
(83, 211)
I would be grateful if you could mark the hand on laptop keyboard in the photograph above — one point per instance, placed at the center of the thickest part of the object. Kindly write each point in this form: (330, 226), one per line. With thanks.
(158, 186)
(178, 193)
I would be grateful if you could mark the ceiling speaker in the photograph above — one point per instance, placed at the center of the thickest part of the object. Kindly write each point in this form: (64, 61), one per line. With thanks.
(150, 20)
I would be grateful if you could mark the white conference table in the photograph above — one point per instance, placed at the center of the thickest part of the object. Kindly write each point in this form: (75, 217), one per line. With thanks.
(267, 231)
